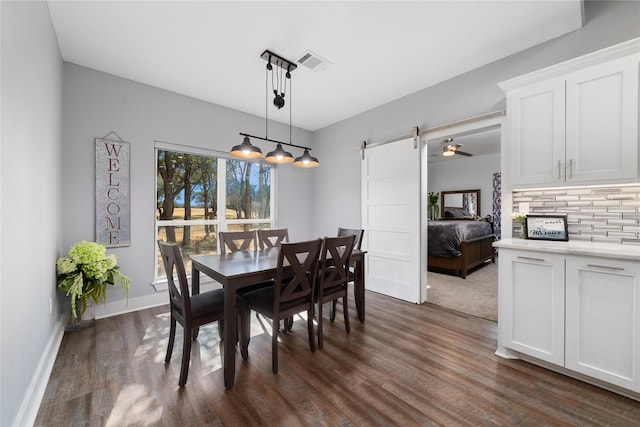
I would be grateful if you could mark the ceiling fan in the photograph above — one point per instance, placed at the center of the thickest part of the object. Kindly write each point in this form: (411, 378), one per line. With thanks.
(450, 149)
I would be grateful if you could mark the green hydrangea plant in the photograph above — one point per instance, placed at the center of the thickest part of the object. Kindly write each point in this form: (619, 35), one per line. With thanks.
(86, 272)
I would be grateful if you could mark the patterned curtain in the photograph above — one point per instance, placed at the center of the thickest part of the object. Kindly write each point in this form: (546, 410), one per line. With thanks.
(497, 203)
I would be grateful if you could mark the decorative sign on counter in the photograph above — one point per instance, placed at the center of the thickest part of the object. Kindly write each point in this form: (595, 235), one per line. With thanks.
(547, 227)
(112, 193)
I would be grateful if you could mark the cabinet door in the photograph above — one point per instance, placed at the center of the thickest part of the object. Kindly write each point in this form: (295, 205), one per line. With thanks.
(603, 320)
(602, 122)
(536, 143)
(532, 304)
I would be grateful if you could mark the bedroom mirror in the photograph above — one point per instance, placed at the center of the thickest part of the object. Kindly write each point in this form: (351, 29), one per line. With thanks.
(460, 204)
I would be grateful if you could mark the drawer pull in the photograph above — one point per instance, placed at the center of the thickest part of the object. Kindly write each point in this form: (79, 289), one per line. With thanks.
(531, 259)
(608, 267)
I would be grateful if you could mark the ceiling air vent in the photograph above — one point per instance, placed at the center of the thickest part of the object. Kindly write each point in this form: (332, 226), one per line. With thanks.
(313, 61)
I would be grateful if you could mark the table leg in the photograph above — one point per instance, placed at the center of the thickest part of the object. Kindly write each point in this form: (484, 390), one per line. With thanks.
(229, 356)
(358, 287)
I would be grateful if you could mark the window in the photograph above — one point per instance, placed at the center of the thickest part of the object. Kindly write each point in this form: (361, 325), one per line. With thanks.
(192, 206)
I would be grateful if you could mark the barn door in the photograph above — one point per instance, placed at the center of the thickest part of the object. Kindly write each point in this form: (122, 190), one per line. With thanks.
(391, 214)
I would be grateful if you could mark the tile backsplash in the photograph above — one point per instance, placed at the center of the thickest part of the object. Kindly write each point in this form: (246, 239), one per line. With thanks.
(598, 214)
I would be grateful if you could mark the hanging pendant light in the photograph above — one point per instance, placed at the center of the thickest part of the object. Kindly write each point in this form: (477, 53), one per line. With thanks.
(246, 150)
(276, 66)
(306, 160)
(279, 155)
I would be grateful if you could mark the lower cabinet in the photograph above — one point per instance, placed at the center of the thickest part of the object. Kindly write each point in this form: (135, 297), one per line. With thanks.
(532, 304)
(581, 313)
(602, 323)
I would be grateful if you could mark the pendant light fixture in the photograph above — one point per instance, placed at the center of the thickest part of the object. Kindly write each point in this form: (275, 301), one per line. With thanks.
(306, 160)
(280, 70)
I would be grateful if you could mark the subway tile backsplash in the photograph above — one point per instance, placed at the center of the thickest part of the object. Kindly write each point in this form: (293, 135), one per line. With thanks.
(600, 214)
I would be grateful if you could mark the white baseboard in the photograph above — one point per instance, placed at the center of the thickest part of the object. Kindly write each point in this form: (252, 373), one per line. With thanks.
(33, 397)
(134, 304)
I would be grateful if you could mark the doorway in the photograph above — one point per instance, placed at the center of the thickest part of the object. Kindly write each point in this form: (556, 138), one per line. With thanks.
(474, 165)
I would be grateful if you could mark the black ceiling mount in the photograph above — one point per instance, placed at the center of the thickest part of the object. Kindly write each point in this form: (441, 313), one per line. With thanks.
(278, 60)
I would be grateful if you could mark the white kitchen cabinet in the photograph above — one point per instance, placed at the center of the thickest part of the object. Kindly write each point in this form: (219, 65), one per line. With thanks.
(574, 307)
(577, 128)
(532, 304)
(603, 320)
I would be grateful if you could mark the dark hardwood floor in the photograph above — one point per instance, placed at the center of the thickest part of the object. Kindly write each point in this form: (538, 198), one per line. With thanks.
(407, 365)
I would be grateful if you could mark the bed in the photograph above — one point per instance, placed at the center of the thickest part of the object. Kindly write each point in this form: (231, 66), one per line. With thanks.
(459, 243)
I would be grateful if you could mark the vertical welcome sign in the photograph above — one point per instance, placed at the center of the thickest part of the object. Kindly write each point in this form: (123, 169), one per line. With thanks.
(112, 193)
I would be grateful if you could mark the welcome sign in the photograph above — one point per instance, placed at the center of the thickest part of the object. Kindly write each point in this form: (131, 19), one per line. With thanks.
(112, 193)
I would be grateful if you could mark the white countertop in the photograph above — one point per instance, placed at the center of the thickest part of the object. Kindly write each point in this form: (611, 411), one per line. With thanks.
(604, 250)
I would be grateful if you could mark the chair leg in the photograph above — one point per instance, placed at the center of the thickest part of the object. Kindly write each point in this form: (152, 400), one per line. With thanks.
(186, 356)
(221, 329)
(312, 340)
(274, 345)
(345, 308)
(172, 337)
(320, 336)
(332, 313)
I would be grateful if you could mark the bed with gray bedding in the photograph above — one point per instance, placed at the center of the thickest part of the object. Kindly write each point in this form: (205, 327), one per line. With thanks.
(456, 246)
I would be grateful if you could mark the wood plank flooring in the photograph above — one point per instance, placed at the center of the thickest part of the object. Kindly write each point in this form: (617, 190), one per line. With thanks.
(407, 365)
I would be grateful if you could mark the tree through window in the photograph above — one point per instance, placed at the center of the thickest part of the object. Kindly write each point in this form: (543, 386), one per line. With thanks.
(188, 199)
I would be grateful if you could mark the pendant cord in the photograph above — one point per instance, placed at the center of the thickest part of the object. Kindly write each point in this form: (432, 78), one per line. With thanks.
(266, 103)
(290, 108)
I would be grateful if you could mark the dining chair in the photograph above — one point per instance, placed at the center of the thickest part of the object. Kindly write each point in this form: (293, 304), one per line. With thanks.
(234, 241)
(291, 294)
(357, 244)
(240, 241)
(272, 238)
(193, 311)
(333, 277)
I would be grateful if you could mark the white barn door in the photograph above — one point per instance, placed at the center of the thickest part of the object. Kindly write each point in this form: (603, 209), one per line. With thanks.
(391, 214)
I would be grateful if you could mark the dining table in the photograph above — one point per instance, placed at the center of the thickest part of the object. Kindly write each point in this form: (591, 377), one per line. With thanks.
(240, 268)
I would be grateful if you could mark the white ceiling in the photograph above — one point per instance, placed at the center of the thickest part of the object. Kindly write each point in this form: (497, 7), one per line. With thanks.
(378, 50)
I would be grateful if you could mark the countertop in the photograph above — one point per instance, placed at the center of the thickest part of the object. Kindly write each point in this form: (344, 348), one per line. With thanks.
(629, 252)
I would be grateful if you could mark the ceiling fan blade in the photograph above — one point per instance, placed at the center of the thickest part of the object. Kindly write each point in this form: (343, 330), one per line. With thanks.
(463, 153)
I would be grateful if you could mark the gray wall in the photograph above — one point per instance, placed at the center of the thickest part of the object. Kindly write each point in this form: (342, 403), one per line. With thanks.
(466, 173)
(468, 95)
(30, 200)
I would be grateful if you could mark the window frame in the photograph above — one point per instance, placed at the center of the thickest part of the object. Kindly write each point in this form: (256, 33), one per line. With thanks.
(222, 222)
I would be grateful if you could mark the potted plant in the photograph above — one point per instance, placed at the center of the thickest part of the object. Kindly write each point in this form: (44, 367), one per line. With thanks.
(85, 274)
(520, 218)
(434, 210)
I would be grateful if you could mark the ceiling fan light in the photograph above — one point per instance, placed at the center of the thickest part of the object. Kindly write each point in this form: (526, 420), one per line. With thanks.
(448, 150)
(246, 150)
(306, 160)
(279, 155)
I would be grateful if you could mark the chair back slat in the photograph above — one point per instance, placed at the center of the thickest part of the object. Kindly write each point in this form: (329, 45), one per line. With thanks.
(235, 241)
(179, 296)
(357, 243)
(272, 238)
(303, 258)
(335, 261)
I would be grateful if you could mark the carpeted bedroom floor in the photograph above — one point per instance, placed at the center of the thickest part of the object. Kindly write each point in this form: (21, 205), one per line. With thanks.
(476, 295)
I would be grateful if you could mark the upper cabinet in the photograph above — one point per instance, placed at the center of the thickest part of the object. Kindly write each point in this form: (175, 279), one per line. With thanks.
(576, 123)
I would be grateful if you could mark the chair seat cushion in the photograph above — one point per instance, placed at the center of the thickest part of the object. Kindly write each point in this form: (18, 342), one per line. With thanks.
(332, 290)
(261, 300)
(210, 302)
(245, 289)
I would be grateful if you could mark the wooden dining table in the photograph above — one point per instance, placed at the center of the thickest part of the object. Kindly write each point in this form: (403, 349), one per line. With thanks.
(245, 267)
